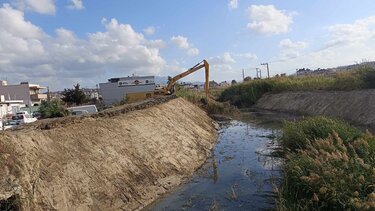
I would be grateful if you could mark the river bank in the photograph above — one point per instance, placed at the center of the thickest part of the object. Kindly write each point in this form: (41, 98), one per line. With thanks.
(120, 160)
(357, 107)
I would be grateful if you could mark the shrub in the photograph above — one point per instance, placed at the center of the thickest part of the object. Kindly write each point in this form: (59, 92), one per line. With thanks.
(330, 165)
(368, 77)
(51, 109)
(296, 135)
(330, 175)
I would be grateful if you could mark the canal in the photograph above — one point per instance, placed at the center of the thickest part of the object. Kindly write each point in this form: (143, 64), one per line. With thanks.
(241, 173)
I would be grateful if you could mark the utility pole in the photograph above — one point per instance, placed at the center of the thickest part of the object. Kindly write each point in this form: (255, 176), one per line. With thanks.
(268, 69)
(48, 94)
(259, 73)
(243, 74)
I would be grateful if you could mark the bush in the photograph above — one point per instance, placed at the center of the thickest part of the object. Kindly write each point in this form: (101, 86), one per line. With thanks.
(296, 135)
(368, 77)
(330, 166)
(246, 94)
(52, 109)
(331, 175)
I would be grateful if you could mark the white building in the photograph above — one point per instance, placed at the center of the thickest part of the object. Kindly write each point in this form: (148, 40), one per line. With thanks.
(28, 93)
(8, 107)
(133, 89)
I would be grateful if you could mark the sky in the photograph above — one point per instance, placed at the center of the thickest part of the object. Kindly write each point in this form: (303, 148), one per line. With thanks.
(58, 43)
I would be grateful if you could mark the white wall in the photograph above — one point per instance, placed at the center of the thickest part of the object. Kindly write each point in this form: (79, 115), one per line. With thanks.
(16, 92)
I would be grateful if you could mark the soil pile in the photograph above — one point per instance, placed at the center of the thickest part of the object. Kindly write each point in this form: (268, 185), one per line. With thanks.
(104, 162)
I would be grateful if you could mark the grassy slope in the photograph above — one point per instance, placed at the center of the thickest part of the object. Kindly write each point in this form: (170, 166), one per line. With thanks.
(246, 94)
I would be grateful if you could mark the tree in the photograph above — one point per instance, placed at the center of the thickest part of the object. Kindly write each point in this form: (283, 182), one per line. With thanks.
(52, 109)
(74, 96)
(248, 78)
(234, 82)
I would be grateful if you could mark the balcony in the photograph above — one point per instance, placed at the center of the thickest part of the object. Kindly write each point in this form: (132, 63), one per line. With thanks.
(38, 97)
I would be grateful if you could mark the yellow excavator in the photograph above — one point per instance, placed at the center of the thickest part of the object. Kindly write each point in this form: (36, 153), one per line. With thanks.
(170, 89)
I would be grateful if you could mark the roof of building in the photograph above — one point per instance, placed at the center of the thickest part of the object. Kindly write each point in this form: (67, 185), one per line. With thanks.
(115, 80)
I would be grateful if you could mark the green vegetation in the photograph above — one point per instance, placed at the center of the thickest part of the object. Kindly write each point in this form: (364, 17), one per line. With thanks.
(124, 100)
(74, 96)
(247, 93)
(297, 135)
(212, 107)
(329, 166)
(52, 109)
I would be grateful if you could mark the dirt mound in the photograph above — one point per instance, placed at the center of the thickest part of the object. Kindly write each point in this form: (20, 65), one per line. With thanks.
(355, 106)
(105, 162)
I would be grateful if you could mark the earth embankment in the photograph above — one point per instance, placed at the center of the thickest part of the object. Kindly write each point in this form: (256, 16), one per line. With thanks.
(120, 160)
(356, 106)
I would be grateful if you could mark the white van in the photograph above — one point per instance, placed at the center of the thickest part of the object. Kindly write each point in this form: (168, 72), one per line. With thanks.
(21, 118)
(81, 110)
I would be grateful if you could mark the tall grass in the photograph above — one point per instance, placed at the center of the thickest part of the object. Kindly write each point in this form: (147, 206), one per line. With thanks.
(330, 166)
(247, 93)
(298, 135)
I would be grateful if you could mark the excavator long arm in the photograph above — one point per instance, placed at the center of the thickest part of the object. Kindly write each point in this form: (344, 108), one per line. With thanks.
(204, 63)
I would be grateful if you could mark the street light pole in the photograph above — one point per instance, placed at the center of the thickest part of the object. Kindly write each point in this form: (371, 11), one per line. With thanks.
(268, 69)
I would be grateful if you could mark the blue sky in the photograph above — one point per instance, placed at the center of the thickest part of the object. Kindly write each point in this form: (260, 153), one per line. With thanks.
(61, 42)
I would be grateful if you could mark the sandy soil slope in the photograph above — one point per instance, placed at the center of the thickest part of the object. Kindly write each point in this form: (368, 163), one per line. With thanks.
(354, 106)
(108, 162)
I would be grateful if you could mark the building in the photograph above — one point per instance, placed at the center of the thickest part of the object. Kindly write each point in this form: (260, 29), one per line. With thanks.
(304, 72)
(91, 93)
(224, 84)
(28, 93)
(8, 107)
(131, 89)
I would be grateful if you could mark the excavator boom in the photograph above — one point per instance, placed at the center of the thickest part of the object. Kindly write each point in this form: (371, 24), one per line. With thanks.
(203, 64)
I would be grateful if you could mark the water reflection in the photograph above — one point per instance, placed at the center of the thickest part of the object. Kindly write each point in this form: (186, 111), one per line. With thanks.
(244, 161)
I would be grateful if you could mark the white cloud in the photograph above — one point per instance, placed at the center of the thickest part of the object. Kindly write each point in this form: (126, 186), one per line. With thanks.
(193, 52)
(149, 30)
(76, 5)
(223, 63)
(226, 58)
(156, 44)
(233, 4)
(266, 19)
(27, 53)
(288, 44)
(40, 6)
(291, 49)
(248, 56)
(347, 43)
(354, 34)
(182, 43)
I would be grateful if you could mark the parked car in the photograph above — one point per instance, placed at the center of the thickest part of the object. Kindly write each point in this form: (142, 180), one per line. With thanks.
(81, 110)
(79, 113)
(5, 125)
(21, 118)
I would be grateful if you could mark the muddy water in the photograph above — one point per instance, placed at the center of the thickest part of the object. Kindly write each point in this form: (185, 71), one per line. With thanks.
(241, 173)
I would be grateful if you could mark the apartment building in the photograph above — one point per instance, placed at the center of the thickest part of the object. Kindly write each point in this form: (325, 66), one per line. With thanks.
(29, 93)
